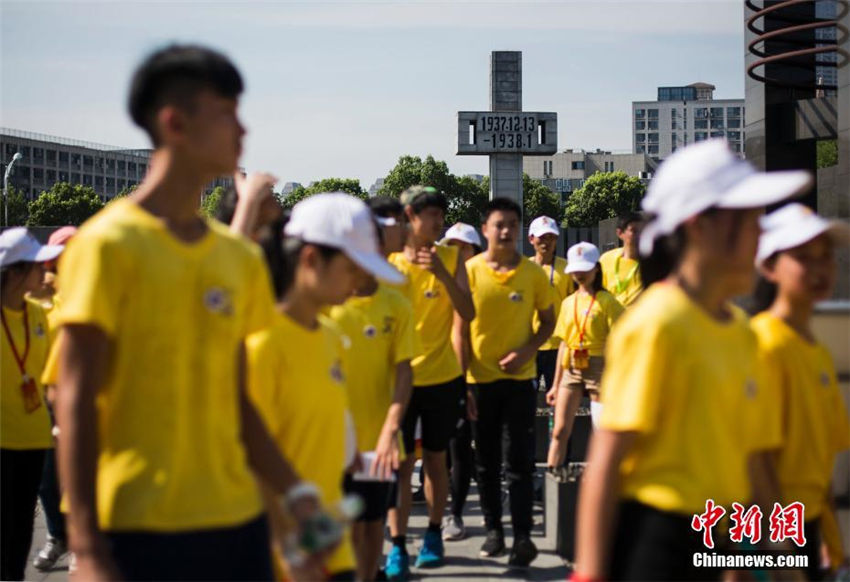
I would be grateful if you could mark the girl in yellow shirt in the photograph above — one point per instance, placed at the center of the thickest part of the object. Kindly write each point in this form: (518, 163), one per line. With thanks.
(797, 263)
(296, 374)
(681, 408)
(583, 325)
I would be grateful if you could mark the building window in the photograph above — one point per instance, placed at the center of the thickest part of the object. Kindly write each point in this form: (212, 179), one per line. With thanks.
(700, 124)
(734, 135)
(51, 176)
(674, 137)
(88, 162)
(733, 123)
(110, 185)
(717, 134)
(87, 180)
(717, 112)
(674, 125)
(640, 113)
(38, 175)
(653, 138)
(143, 168)
(700, 135)
(63, 177)
(653, 149)
(63, 159)
(51, 157)
(578, 165)
(733, 112)
(131, 168)
(701, 112)
(641, 137)
(11, 149)
(25, 152)
(98, 183)
(640, 125)
(716, 124)
(122, 168)
(653, 125)
(38, 155)
(674, 113)
(110, 166)
(736, 147)
(640, 149)
(75, 178)
(652, 113)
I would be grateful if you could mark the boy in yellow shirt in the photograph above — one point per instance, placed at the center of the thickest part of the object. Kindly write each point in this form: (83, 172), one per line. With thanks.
(508, 291)
(620, 268)
(543, 233)
(161, 446)
(439, 292)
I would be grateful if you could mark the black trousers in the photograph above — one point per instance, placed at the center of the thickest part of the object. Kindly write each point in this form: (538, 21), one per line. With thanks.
(20, 476)
(232, 553)
(655, 545)
(461, 462)
(506, 411)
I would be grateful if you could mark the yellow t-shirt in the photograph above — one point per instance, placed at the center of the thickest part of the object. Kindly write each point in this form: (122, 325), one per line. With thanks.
(807, 406)
(505, 303)
(170, 450)
(296, 380)
(19, 429)
(434, 315)
(380, 329)
(596, 323)
(562, 285)
(688, 385)
(621, 276)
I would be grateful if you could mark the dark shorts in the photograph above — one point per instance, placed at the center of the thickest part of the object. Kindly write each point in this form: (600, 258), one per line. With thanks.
(233, 553)
(378, 497)
(437, 405)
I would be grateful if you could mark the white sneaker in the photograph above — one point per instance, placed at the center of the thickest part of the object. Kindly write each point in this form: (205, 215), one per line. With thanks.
(453, 529)
(48, 555)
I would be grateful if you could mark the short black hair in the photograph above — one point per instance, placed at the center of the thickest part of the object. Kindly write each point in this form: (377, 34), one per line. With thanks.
(430, 198)
(385, 206)
(624, 220)
(175, 75)
(502, 205)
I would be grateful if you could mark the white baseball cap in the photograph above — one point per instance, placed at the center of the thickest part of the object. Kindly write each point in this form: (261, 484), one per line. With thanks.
(793, 225)
(543, 225)
(706, 175)
(464, 233)
(344, 222)
(581, 257)
(17, 245)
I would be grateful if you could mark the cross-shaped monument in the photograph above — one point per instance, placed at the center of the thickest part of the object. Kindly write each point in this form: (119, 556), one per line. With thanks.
(506, 133)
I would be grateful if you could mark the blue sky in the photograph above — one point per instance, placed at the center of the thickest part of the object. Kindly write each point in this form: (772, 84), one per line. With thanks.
(344, 88)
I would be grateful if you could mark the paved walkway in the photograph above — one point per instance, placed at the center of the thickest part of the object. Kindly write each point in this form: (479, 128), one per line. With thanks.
(462, 559)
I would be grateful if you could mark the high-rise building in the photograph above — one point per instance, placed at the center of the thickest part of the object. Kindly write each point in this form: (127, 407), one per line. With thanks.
(683, 115)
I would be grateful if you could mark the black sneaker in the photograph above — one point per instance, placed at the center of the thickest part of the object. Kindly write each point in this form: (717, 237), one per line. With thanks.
(494, 545)
(523, 553)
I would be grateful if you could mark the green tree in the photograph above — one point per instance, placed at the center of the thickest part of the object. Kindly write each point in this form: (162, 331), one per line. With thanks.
(209, 202)
(17, 205)
(604, 195)
(537, 199)
(349, 185)
(466, 197)
(126, 191)
(64, 204)
(827, 153)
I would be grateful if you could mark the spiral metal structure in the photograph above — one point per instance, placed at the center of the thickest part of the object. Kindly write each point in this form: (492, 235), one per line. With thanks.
(801, 58)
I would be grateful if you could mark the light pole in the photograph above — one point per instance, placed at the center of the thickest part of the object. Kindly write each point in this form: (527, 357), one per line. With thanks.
(15, 158)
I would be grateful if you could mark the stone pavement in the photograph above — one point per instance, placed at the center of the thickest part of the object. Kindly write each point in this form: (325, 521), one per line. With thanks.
(462, 559)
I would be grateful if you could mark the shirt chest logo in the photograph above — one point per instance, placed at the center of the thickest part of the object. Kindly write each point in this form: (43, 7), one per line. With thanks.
(336, 372)
(750, 389)
(39, 330)
(515, 296)
(431, 293)
(370, 331)
(218, 300)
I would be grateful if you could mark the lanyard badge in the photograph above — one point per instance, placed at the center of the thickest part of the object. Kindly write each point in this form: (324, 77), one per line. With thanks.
(621, 286)
(581, 356)
(29, 390)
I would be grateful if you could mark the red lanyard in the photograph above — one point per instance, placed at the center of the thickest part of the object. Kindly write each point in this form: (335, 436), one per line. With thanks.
(20, 360)
(586, 315)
